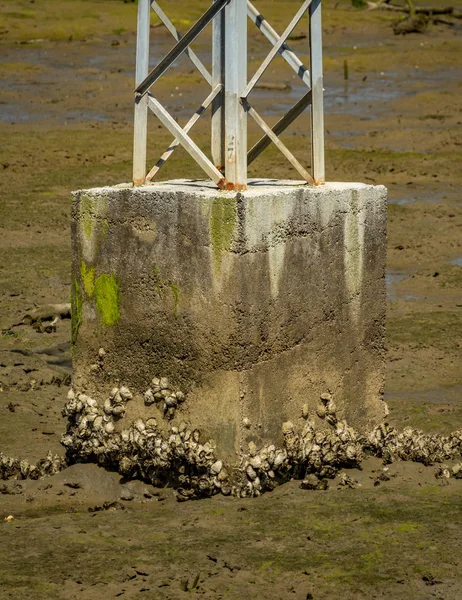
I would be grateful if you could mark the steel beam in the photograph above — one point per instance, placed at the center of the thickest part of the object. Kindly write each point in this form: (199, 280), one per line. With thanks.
(218, 78)
(181, 46)
(141, 104)
(235, 82)
(276, 48)
(277, 142)
(290, 57)
(280, 126)
(187, 128)
(317, 104)
(191, 147)
(177, 35)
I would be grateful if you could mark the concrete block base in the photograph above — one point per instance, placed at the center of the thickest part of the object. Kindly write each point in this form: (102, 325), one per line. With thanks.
(252, 303)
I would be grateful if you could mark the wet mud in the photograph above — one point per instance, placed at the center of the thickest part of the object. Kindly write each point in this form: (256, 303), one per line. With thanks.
(66, 83)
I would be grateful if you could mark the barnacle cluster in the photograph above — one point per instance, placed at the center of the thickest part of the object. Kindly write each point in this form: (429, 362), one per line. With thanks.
(13, 468)
(175, 454)
(411, 444)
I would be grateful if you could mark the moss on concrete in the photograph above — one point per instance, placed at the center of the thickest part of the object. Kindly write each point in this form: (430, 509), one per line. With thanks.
(176, 297)
(222, 226)
(87, 215)
(88, 278)
(106, 291)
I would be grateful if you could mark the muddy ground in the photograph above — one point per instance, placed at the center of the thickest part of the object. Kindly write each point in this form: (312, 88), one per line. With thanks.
(66, 79)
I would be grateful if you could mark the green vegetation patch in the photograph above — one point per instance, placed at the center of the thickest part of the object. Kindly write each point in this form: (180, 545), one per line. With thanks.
(88, 278)
(438, 329)
(106, 290)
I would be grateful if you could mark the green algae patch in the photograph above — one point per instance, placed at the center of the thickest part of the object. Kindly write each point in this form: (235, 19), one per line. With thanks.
(222, 225)
(93, 226)
(88, 278)
(106, 291)
(87, 215)
(176, 297)
(76, 311)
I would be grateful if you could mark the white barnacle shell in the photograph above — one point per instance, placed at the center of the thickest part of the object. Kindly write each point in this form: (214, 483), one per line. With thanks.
(125, 464)
(196, 435)
(139, 425)
(98, 423)
(118, 398)
(83, 423)
(305, 411)
(107, 407)
(113, 392)
(67, 441)
(250, 472)
(216, 467)
(331, 407)
(164, 383)
(255, 462)
(252, 448)
(351, 452)
(151, 423)
(118, 410)
(125, 393)
(223, 475)
(109, 427)
(180, 396)
(70, 394)
(246, 422)
(279, 459)
(287, 427)
(170, 401)
(325, 398)
(321, 411)
(149, 396)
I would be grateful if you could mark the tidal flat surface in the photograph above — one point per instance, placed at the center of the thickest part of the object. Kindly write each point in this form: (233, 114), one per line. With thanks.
(66, 90)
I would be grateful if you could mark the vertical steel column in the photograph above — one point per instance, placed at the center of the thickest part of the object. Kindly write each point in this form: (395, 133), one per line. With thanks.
(317, 111)
(218, 77)
(141, 104)
(235, 84)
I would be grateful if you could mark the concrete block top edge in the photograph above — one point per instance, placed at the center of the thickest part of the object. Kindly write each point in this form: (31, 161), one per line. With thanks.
(256, 187)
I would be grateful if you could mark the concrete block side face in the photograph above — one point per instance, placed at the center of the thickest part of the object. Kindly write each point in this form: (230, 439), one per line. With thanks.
(252, 303)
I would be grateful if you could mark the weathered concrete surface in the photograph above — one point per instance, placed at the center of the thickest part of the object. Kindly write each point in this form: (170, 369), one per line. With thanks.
(252, 303)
